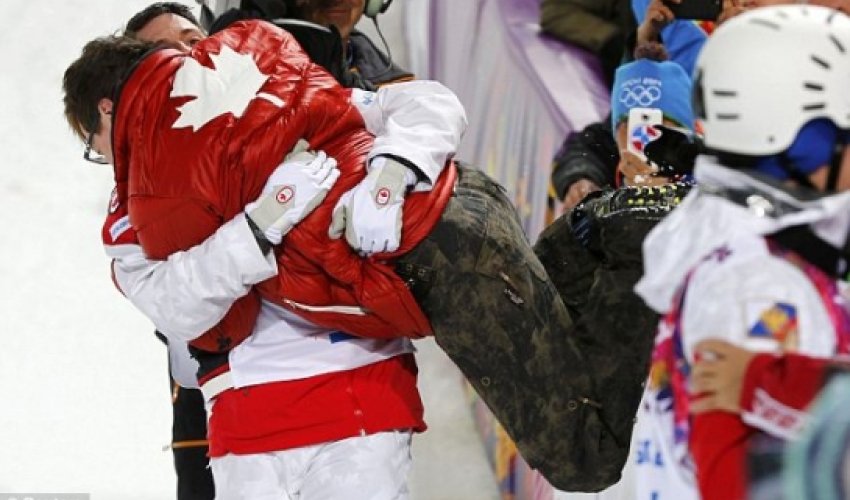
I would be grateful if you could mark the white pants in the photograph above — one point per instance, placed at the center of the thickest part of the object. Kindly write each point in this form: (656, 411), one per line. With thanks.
(368, 467)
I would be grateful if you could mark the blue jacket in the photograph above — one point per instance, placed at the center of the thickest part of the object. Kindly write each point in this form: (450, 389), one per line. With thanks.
(683, 38)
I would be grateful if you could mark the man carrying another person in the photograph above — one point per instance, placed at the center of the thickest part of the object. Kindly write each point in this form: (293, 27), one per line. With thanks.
(391, 359)
(460, 242)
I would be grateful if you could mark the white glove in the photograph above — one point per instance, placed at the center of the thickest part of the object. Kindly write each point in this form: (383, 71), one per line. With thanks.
(370, 213)
(294, 189)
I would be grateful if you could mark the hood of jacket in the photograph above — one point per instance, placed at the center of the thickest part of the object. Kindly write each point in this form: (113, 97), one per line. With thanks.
(724, 204)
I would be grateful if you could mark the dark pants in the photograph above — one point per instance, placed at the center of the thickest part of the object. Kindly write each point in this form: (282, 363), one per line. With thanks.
(189, 443)
(189, 440)
(497, 315)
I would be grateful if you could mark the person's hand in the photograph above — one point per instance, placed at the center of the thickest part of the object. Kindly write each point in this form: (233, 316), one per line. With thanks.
(658, 15)
(673, 152)
(370, 213)
(577, 192)
(293, 190)
(637, 172)
(730, 9)
(717, 378)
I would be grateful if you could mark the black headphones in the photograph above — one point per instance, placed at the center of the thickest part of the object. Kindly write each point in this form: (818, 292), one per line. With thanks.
(375, 7)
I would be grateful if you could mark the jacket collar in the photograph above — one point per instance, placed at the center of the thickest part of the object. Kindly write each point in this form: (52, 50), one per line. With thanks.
(725, 204)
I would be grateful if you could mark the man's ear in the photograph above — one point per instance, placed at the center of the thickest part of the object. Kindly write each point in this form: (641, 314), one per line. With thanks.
(104, 106)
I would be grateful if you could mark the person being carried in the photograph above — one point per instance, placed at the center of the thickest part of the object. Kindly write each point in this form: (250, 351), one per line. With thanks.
(596, 270)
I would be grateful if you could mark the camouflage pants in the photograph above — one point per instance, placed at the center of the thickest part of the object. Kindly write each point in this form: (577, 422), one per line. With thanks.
(497, 315)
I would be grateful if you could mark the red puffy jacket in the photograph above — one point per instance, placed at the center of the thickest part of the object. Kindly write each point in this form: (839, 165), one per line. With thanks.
(183, 183)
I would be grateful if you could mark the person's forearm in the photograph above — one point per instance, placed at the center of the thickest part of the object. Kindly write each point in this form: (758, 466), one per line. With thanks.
(778, 389)
(191, 292)
(419, 121)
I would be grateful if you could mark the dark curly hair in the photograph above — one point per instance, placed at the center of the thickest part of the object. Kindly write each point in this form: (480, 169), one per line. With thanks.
(144, 16)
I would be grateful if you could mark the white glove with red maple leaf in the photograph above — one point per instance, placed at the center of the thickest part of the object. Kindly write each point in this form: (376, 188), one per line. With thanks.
(293, 190)
(370, 213)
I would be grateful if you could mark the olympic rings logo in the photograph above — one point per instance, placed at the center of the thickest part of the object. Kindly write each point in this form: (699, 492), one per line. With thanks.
(639, 95)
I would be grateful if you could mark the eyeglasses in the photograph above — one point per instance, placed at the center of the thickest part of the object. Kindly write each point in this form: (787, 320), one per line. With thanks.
(92, 155)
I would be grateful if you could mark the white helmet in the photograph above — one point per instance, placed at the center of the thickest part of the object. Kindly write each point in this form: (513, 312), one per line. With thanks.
(764, 74)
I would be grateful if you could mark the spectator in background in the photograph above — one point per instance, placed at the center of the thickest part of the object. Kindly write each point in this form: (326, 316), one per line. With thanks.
(600, 26)
(753, 254)
(683, 38)
(589, 159)
(586, 161)
(649, 82)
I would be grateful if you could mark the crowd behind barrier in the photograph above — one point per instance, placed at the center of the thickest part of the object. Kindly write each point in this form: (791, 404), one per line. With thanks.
(523, 92)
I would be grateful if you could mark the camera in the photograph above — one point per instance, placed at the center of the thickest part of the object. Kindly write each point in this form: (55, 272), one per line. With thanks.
(705, 10)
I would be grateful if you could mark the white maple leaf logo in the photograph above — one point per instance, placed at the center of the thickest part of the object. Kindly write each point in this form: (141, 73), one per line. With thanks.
(227, 88)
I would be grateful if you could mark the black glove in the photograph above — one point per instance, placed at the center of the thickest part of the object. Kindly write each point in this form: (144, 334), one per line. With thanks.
(673, 152)
(583, 220)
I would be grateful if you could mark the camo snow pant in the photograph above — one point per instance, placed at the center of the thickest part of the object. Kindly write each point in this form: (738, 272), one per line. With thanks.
(497, 315)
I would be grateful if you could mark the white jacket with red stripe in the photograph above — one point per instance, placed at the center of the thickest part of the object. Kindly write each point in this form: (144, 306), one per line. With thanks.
(711, 268)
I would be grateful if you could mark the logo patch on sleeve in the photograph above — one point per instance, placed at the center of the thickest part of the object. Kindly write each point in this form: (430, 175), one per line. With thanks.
(340, 337)
(119, 227)
(777, 321)
(366, 98)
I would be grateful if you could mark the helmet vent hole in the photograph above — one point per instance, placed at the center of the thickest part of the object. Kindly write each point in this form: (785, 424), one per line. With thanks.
(820, 62)
(771, 138)
(766, 23)
(837, 43)
(724, 93)
(817, 87)
(831, 17)
(728, 116)
(814, 107)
